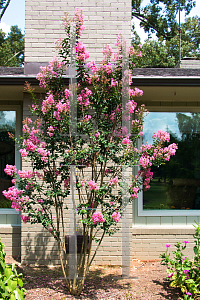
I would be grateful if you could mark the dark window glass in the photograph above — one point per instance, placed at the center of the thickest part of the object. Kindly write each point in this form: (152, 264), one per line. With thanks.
(7, 152)
(176, 185)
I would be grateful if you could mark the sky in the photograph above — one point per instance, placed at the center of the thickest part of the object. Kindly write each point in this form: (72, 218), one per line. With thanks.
(15, 14)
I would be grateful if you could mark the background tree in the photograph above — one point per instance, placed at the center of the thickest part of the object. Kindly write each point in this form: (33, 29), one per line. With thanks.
(165, 53)
(159, 16)
(3, 6)
(12, 47)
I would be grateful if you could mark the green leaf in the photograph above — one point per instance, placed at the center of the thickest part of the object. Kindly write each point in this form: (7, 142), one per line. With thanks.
(8, 271)
(12, 297)
(20, 282)
(12, 284)
(19, 294)
(195, 250)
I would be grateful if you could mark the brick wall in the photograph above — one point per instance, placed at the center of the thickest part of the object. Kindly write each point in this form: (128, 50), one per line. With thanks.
(148, 243)
(11, 238)
(103, 20)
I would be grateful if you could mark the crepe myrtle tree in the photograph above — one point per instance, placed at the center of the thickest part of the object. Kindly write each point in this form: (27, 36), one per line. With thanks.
(100, 144)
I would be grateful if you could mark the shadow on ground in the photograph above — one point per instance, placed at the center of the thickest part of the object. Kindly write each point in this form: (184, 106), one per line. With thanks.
(42, 277)
(172, 293)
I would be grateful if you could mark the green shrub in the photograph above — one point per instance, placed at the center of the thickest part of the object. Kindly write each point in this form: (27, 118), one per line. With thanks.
(11, 284)
(182, 272)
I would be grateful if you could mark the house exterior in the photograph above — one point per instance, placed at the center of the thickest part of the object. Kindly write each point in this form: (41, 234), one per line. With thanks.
(167, 92)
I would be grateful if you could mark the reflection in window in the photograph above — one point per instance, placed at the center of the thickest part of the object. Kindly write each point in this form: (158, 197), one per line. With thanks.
(176, 185)
(7, 152)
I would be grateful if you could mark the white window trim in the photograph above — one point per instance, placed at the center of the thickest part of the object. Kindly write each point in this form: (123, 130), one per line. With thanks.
(18, 109)
(167, 212)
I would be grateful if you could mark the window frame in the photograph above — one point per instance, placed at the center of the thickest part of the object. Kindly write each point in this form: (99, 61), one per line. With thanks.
(18, 109)
(167, 212)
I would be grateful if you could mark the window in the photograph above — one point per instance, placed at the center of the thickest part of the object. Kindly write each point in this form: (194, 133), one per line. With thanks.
(7, 152)
(175, 189)
(10, 121)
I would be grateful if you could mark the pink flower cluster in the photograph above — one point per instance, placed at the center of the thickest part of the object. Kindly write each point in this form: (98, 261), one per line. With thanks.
(26, 174)
(147, 176)
(79, 18)
(92, 185)
(48, 72)
(97, 134)
(166, 152)
(10, 170)
(50, 130)
(108, 68)
(114, 181)
(25, 219)
(82, 54)
(87, 118)
(44, 154)
(134, 192)
(14, 195)
(130, 106)
(97, 217)
(162, 136)
(135, 92)
(93, 66)
(23, 152)
(47, 103)
(83, 97)
(107, 52)
(145, 161)
(116, 216)
(126, 141)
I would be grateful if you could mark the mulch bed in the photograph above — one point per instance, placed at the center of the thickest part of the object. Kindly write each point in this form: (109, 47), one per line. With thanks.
(147, 281)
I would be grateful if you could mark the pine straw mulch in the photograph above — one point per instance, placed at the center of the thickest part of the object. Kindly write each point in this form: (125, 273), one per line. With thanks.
(103, 282)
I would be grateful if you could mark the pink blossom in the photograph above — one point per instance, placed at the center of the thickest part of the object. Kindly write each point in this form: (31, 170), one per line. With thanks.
(135, 93)
(82, 54)
(83, 182)
(126, 141)
(26, 174)
(162, 136)
(47, 104)
(93, 185)
(30, 146)
(107, 51)
(116, 216)
(114, 181)
(131, 105)
(134, 192)
(23, 152)
(97, 134)
(25, 219)
(108, 68)
(87, 118)
(14, 181)
(83, 97)
(113, 82)
(53, 217)
(50, 130)
(145, 161)
(97, 217)
(68, 93)
(93, 66)
(170, 275)
(10, 170)
(40, 201)
(168, 245)
(25, 128)
(147, 176)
